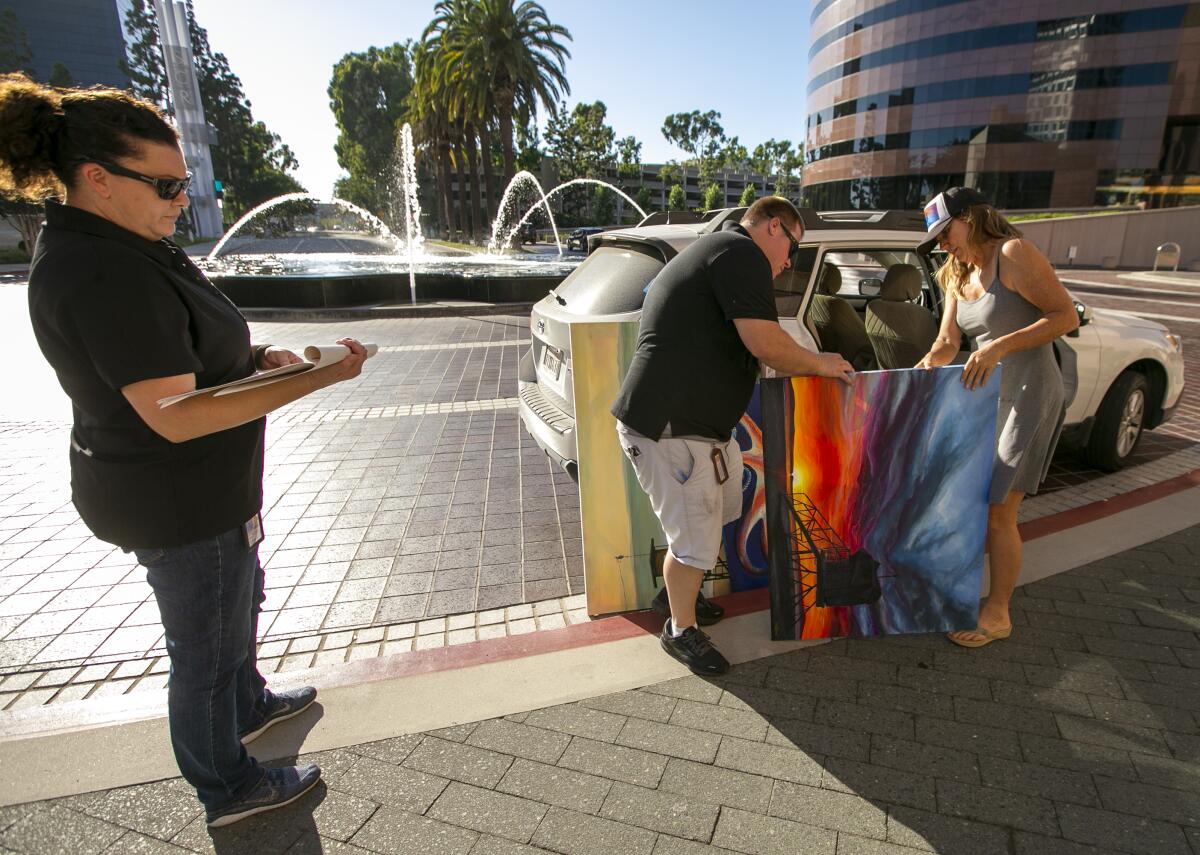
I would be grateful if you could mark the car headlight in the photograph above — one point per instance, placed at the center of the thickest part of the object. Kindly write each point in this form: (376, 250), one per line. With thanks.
(1174, 341)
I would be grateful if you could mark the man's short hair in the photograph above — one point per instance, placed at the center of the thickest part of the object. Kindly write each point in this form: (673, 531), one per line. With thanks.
(772, 206)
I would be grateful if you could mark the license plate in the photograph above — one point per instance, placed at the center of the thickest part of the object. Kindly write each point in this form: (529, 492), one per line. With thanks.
(552, 360)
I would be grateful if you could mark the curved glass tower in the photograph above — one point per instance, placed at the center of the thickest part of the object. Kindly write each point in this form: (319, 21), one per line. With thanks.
(1039, 103)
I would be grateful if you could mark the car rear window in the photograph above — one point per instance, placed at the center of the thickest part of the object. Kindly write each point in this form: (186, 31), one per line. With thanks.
(612, 280)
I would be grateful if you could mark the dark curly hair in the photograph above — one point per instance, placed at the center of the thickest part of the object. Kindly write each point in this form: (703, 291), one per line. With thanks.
(46, 133)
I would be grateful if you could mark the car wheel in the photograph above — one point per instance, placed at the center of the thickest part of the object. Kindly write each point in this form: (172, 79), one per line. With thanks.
(1118, 425)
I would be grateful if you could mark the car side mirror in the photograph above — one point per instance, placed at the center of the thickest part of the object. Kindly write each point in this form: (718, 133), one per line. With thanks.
(1085, 318)
(870, 287)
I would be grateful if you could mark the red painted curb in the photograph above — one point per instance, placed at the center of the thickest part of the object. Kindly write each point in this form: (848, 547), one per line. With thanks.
(1055, 523)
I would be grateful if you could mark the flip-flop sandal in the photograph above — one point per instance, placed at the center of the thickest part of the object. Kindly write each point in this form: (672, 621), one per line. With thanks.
(985, 636)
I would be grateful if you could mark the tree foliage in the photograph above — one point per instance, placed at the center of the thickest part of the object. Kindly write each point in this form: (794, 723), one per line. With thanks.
(603, 205)
(15, 54)
(368, 95)
(25, 217)
(511, 52)
(580, 141)
(676, 200)
(629, 158)
(250, 161)
(777, 158)
(529, 147)
(145, 67)
(642, 197)
(733, 156)
(700, 135)
(713, 198)
(748, 196)
(581, 144)
(61, 76)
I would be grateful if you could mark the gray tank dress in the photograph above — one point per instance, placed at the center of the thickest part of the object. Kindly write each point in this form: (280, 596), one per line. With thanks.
(1031, 410)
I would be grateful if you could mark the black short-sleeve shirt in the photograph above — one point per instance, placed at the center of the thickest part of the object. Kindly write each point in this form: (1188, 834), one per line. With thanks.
(110, 308)
(691, 369)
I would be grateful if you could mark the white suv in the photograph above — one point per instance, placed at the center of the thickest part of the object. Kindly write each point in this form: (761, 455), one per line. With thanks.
(1122, 374)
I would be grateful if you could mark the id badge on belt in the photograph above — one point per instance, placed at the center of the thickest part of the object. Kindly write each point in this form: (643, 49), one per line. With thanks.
(252, 531)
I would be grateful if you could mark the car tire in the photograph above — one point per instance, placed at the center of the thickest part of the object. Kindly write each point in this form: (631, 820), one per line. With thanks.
(1119, 422)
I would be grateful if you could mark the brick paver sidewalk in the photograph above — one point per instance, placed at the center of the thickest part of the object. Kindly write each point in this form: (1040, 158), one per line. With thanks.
(1078, 735)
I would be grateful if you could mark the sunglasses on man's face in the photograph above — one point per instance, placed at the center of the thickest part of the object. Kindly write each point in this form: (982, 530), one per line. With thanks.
(166, 188)
(793, 244)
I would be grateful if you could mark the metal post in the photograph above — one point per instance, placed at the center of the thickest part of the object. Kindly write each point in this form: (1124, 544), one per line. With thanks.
(194, 132)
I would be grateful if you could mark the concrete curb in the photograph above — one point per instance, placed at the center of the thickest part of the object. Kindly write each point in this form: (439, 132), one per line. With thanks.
(365, 313)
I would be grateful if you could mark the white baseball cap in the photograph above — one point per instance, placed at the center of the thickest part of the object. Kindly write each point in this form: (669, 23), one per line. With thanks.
(943, 208)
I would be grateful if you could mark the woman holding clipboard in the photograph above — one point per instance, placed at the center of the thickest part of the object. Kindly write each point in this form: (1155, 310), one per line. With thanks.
(126, 319)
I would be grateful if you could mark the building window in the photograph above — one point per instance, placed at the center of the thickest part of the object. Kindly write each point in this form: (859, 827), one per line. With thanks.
(1181, 146)
(910, 192)
(1150, 74)
(1161, 18)
(1094, 129)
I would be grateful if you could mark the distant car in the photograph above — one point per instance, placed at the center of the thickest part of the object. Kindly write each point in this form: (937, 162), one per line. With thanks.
(1123, 374)
(525, 233)
(577, 241)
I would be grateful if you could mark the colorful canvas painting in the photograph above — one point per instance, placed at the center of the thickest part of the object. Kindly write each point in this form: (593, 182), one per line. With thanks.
(745, 539)
(623, 544)
(876, 501)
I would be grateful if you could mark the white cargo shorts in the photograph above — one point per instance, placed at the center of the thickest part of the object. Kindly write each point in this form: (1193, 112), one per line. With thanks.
(680, 479)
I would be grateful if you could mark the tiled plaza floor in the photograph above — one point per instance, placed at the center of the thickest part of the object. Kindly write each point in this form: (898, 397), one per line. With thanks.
(1078, 735)
(405, 510)
(373, 518)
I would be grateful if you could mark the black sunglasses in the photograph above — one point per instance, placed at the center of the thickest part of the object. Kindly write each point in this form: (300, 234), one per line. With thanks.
(166, 188)
(794, 244)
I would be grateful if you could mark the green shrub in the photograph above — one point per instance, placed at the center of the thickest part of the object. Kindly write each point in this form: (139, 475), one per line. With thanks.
(676, 201)
(714, 197)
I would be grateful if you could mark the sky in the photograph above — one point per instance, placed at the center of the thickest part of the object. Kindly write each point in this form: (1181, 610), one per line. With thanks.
(644, 60)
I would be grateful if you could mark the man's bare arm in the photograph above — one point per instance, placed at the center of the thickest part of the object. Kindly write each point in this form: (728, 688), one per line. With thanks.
(774, 347)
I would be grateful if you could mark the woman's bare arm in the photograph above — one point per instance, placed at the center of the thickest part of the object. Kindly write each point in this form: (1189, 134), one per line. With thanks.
(207, 414)
(949, 338)
(1029, 274)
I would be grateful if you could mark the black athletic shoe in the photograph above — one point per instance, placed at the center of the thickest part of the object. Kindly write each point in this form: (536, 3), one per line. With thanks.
(707, 612)
(277, 788)
(695, 650)
(279, 707)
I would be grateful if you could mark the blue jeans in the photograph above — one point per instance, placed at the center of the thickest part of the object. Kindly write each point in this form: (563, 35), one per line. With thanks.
(210, 594)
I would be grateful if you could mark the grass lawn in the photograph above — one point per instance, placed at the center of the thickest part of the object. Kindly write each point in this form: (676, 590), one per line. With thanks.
(1054, 215)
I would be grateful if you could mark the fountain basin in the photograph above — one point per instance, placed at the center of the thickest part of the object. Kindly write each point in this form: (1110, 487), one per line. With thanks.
(327, 281)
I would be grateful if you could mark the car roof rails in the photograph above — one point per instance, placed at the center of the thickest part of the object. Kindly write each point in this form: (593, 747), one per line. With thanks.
(717, 217)
(895, 220)
(633, 240)
(812, 219)
(668, 218)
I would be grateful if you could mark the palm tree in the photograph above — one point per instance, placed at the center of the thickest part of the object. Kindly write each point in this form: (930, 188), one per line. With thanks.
(512, 53)
(470, 96)
(431, 127)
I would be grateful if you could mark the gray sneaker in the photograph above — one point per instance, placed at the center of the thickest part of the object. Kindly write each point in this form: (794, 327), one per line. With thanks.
(277, 788)
(279, 707)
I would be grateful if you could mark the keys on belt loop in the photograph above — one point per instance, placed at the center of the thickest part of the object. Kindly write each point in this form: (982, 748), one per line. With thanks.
(719, 466)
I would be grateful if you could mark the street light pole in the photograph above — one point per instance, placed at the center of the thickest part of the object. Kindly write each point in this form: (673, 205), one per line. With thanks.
(194, 132)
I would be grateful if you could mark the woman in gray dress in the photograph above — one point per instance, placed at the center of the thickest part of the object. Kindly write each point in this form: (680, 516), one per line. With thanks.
(1002, 292)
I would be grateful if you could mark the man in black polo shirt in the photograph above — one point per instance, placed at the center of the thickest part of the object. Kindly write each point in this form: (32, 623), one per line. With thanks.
(708, 319)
